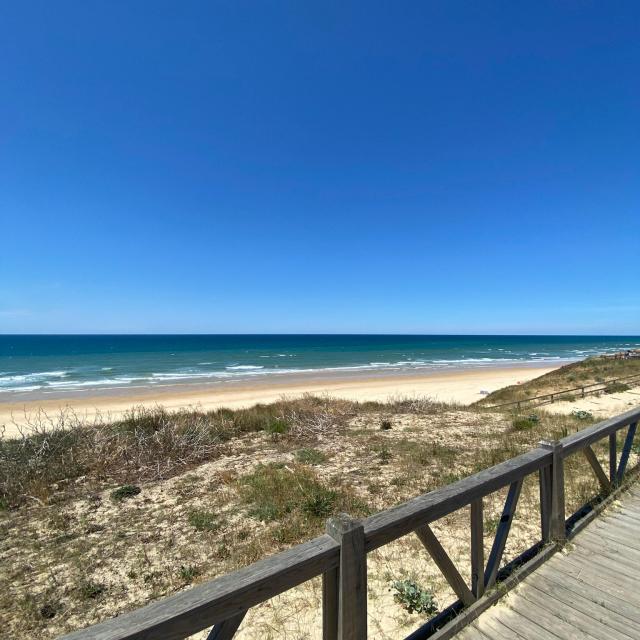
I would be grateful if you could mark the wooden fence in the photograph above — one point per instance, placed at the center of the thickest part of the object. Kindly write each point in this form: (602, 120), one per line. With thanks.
(584, 390)
(340, 555)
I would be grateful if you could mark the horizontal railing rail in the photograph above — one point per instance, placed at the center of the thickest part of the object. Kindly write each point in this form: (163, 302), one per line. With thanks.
(585, 389)
(340, 555)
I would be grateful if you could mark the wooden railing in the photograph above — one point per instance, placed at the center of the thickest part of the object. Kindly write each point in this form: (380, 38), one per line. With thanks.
(584, 390)
(340, 555)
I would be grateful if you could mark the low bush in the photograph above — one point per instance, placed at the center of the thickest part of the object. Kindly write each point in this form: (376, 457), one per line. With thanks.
(414, 598)
(525, 423)
(125, 492)
(203, 520)
(616, 387)
(278, 492)
(310, 456)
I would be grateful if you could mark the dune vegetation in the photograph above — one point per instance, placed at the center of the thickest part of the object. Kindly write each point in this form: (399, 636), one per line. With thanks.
(100, 518)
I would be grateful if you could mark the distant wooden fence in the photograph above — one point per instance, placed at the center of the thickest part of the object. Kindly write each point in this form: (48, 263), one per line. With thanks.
(340, 555)
(584, 390)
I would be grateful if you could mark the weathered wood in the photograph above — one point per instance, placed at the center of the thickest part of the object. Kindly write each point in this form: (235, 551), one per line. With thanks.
(445, 564)
(613, 459)
(592, 592)
(590, 455)
(626, 450)
(545, 503)
(523, 627)
(202, 606)
(396, 522)
(502, 533)
(352, 582)
(477, 548)
(491, 597)
(557, 526)
(576, 441)
(227, 629)
(559, 618)
(589, 607)
(330, 604)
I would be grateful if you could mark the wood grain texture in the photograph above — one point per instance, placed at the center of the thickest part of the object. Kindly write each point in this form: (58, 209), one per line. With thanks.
(589, 590)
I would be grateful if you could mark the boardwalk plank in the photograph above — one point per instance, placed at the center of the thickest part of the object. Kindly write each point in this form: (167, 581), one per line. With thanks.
(493, 627)
(592, 541)
(548, 617)
(595, 593)
(580, 615)
(586, 606)
(621, 586)
(521, 626)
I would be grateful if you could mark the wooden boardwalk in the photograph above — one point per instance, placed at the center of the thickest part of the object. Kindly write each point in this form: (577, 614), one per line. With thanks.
(589, 590)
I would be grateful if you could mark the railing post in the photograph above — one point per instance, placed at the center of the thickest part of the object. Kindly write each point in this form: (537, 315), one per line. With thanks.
(477, 548)
(557, 524)
(545, 503)
(330, 604)
(613, 459)
(352, 578)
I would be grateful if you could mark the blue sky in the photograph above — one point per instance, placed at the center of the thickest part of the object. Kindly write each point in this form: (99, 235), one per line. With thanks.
(455, 167)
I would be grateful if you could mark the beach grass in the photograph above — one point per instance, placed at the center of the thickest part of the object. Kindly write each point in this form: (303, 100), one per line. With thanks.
(576, 375)
(156, 501)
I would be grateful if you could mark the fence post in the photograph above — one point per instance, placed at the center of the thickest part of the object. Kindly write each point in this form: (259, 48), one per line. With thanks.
(545, 503)
(477, 548)
(352, 579)
(557, 517)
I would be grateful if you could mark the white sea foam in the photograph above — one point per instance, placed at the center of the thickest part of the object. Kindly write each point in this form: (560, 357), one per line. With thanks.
(244, 367)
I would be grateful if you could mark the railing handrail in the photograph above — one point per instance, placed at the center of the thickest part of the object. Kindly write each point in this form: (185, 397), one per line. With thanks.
(562, 391)
(180, 615)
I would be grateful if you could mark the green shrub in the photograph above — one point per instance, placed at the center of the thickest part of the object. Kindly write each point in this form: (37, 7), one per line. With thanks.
(385, 425)
(310, 456)
(276, 426)
(275, 492)
(189, 573)
(580, 414)
(414, 598)
(616, 387)
(384, 455)
(524, 424)
(203, 520)
(89, 590)
(125, 492)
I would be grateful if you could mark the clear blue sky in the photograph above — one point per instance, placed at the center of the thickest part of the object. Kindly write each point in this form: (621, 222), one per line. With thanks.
(320, 167)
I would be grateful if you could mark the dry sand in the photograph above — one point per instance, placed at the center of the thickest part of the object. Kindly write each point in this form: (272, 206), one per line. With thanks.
(464, 387)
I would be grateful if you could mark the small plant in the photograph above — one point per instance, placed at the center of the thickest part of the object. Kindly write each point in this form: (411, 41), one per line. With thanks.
(616, 387)
(90, 590)
(189, 573)
(414, 598)
(321, 503)
(581, 414)
(125, 492)
(384, 455)
(385, 425)
(310, 456)
(525, 423)
(203, 520)
(276, 427)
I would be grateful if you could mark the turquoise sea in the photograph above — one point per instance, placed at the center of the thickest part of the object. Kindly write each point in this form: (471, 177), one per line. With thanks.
(56, 364)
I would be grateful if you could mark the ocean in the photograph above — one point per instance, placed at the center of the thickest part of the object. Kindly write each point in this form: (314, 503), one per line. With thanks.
(62, 363)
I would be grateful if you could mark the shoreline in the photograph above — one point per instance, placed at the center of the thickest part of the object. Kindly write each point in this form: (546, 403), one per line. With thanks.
(463, 386)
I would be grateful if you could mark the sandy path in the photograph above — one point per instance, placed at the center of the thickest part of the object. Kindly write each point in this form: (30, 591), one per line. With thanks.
(460, 386)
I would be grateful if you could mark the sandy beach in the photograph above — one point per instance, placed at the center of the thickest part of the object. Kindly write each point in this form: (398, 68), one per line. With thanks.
(463, 386)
